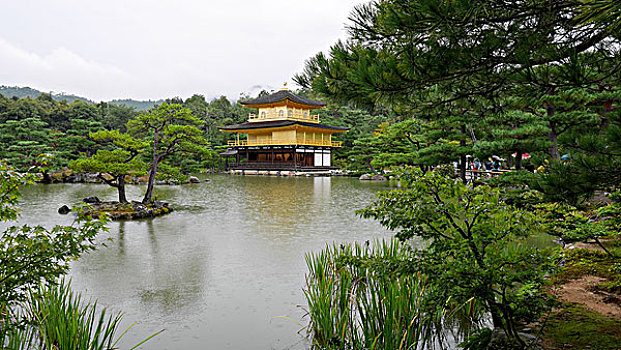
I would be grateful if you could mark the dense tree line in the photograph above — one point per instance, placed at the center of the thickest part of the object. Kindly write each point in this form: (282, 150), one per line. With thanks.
(30, 127)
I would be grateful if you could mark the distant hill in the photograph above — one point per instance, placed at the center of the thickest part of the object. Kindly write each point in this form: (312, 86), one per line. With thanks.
(21, 92)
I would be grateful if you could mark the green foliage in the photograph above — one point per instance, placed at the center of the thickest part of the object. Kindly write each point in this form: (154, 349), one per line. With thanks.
(595, 158)
(62, 320)
(573, 225)
(476, 245)
(31, 255)
(610, 215)
(398, 48)
(23, 141)
(515, 190)
(447, 64)
(31, 127)
(170, 173)
(355, 306)
(478, 340)
(10, 183)
(114, 162)
(119, 160)
(169, 129)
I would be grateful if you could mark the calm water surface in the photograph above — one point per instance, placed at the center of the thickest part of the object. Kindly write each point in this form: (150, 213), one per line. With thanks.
(226, 269)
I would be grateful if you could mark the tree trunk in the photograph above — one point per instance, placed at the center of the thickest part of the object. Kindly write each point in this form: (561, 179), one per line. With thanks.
(496, 316)
(554, 152)
(151, 182)
(462, 160)
(120, 186)
(368, 161)
(156, 160)
(46, 178)
(518, 160)
(552, 135)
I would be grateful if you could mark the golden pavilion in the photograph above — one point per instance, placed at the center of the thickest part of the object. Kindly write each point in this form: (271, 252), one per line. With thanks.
(283, 135)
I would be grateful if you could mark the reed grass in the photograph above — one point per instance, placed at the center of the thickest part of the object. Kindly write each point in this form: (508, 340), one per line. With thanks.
(356, 301)
(60, 319)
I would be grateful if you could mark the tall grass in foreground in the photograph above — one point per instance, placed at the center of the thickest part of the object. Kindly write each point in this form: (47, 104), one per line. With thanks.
(60, 319)
(353, 304)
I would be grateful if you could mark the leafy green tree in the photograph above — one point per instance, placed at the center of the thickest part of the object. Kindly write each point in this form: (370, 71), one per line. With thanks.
(59, 116)
(573, 225)
(399, 48)
(4, 106)
(118, 161)
(76, 140)
(220, 112)
(401, 142)
(82, 110)
(198, 105)
(361, 124)
(364, 150)
(585, 125)
(31, 255)
(115, 117)
(169, 129)
(475, 248)
(23, 141)
(514, 132)
(455, 63)
(22, 109)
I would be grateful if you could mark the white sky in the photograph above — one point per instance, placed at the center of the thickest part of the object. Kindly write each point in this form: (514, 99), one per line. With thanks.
(151, 49)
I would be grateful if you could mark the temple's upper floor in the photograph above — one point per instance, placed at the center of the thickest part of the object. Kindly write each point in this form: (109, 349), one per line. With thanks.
(283, 105)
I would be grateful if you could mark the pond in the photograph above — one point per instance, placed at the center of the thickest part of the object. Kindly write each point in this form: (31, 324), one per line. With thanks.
(226, 269)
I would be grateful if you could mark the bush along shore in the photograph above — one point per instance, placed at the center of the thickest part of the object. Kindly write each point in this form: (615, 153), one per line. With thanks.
(121, 211)
(69, 176)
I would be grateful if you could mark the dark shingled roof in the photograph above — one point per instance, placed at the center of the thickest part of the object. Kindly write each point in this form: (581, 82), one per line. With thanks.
(281, 123)
(281, 96)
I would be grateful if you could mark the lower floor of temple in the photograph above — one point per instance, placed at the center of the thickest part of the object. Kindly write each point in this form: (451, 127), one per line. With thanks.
(307, 158)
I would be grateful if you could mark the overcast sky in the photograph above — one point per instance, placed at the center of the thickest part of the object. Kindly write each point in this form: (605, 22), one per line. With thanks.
(151, 49)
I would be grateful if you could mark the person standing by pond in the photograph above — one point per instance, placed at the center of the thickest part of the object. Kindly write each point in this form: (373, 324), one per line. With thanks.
(476, 166)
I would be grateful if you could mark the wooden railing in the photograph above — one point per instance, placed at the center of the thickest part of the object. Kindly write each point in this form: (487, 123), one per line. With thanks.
(276, 166)
(285, 143)
(308, 118)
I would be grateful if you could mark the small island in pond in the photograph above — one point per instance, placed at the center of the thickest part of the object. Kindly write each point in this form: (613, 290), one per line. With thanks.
(122, 211)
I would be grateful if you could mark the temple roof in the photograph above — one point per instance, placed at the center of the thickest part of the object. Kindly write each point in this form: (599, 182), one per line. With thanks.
(282, 96)
(281, 123)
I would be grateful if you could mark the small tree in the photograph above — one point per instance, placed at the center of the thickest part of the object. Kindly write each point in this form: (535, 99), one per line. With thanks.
(475, 245)
(169, 128)
(118, 162)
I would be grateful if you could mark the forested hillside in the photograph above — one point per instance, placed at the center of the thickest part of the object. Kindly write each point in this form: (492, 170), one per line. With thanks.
(21, 92)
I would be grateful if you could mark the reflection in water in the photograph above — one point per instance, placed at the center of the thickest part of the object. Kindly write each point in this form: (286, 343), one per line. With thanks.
(228, 261)
(321, 188)
(121, 239)
(152, 236)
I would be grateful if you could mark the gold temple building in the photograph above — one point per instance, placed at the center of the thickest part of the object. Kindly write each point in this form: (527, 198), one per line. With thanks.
(283, 135)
